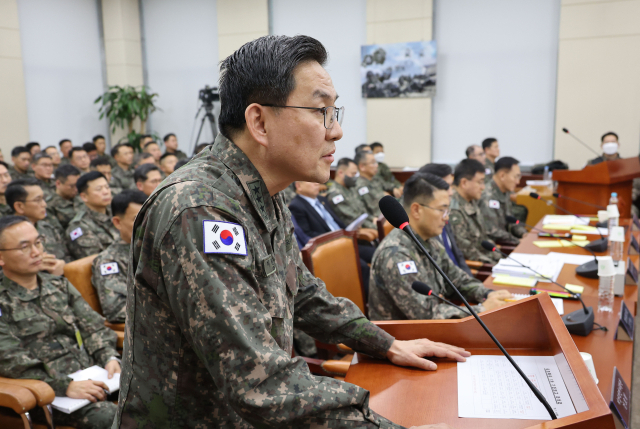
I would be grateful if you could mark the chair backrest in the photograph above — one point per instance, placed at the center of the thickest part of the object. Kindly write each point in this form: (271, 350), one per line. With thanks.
(79, 274)
(384, 227)
(334, 258)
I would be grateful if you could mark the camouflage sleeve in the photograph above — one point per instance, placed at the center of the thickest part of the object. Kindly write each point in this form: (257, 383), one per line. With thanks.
(470, 287)
(371, 203)
(467, 243)
(99, 340)
(518, 230)
(85, 245)
(112, 292)
(492, 224)
(214, 298)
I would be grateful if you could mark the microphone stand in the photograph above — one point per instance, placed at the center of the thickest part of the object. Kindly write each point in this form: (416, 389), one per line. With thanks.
(423, 289)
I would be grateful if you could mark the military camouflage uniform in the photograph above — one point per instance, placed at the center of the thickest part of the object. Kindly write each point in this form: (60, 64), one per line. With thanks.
(467, 223)
(64, 160)
(288, 194)
(346, 203)
(110, 282)
(496, 206)
(5, 210)
(489, 170)
(385, 178)
(48, 187)
(209, 335)
(53, 233)
(122, 179)
(111, 160)
(61, 209)
(370, 193)
(38, 341)
(15, 174)
(390, 293)
(90, 232)
(179, 154)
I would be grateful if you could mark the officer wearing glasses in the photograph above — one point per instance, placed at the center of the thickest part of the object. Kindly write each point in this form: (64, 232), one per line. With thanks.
(397, 262)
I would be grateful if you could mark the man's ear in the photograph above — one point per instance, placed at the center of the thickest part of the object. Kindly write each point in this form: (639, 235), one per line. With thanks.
(117, 222)
(414, 211)
(254, 116)
(139, 186)
(18, 207)
(83, 197)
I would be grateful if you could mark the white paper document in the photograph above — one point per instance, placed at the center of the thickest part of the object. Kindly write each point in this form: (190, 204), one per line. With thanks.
(69, 405)
(565, 220)
(600, 231)
(558, 302)
(570, 258)
(357, 223)
(490, 387)
(543, 264)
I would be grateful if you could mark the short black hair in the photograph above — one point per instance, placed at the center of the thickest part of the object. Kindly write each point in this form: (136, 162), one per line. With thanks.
(116, 148)
(181, 163)
(16, 190)
(610, 133)
(9, 221)
(140, 156)
(344, 162)
(144, 136)
(166, 155)
(4, 164)
(467, 169)
(88, 147)
(142, 173)
(261, 71)
(38, 156)
(83, 181)
(30, 145)
(375, 145)
(65, 171)
(486, 143)
(200, 148)
(75, 149)
(101, 160)
(361, 156)
(166, 137)
(120, 202)
(16, 151)
(63, 141)
(440, 170)
(150, 142)
(421, 186)
(362, 146)
(97, 137)
(505, 163)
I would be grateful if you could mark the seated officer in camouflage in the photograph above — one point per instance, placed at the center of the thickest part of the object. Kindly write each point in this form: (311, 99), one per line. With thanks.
(79, 158)
(42, 166)
(47, 330)
(147, 177)
(369, 191)
(217, 284)
(496, 204)
(26, 198)
(123, 172)
(5, 179)
(398, 262)
(466, 219)
(384, 176)
(343, 198)
(171, 146)
(21, 158)
(91, 230)
(109, 275)
(492, 152)
(63, 204)
(101, 149)
(102, 165)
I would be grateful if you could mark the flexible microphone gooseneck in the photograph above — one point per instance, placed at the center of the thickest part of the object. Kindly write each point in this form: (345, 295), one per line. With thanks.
(588, 269)
(557, 195)
(581, 142)
(397, 216)
(424, 289)
(579, 322)
(599, 245)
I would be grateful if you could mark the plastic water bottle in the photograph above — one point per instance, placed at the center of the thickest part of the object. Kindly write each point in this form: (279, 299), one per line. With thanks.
(613, 220)
(606, 275)
(545, 175)
(616, 241)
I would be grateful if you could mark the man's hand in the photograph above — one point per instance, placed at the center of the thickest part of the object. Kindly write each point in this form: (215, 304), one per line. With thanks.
(367, 234)
(496, 299)
(413, 352)
(52, 265)
(438, 426)
(397, 192)
(112, 367)
(88, 389)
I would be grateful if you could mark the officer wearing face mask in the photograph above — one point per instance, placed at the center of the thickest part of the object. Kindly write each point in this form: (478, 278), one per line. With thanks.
(385, 177)
(343, 197)
(610, 148)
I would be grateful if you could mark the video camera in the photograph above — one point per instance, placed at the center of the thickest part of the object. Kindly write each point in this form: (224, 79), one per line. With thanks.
(209, 94)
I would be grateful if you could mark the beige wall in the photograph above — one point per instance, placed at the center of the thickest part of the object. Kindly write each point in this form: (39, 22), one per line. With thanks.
(239, 22)
(13, 101)
(403, 125)
(598, 77)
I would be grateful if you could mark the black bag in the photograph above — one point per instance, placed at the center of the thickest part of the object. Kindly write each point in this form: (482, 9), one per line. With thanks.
(553, 165)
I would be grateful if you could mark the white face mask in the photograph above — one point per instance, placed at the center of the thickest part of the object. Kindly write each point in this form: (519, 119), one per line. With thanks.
(610, 148)
(379, 157)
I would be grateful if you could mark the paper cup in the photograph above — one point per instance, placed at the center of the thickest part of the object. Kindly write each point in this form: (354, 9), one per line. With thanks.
(603, 216)
(588, 360)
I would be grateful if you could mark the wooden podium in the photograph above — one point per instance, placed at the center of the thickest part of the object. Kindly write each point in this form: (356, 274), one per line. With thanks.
(530, 327)
(595, 183)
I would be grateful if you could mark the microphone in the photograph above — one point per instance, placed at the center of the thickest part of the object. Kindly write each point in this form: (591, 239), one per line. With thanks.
(581, 142)
(577, 322)
(423, 289)
(599, 245)
(588, 269)
(397, 216)
(557, 195)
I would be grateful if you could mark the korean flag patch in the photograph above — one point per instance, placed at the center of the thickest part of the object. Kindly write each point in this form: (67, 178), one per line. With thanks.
(494, 204)
(487, 171)
(223, 237)
(363, 191)
(337, 199)
(407, 267)
(76, 233)
(109, 268)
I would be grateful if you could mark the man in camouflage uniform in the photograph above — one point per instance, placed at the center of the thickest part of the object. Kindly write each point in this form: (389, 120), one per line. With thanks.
(42, 166)
(217, 284)
(48, 331)
(369, 191)
(492, 152)
(171, 146)
(21, 158)
(122, 174)
(109, 275)
(102, 165)
(496, 204)
(65, 147)
(385, 177)
(64, 204)
(398, 262)
(5, 179)
(466, 219)
(91, 230)
(101, 148)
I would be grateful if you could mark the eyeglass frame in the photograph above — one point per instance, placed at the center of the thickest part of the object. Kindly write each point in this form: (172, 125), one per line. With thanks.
(336, 110)
(28, 246)
(446, 212)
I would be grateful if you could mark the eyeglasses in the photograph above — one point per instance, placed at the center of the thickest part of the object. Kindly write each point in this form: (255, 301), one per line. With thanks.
(331, 113)
(444, 212)
(26, 247)
(38, 200)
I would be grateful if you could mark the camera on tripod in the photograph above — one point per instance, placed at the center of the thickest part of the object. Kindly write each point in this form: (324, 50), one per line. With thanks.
(209, 94)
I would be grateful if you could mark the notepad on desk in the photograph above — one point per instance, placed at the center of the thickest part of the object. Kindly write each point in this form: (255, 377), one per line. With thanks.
(503, 279)
(69, 405)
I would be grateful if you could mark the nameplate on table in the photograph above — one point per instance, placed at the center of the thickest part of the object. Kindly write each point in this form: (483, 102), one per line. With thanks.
(635, 225)
(620, 400)
(634, 248)
(631, 277)
(624, 331)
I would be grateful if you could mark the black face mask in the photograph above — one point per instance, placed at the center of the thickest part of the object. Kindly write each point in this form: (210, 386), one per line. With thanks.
(349, 182)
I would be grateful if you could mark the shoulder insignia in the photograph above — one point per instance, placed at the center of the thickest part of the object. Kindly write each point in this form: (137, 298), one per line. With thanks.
(363, 191)
(223, 237)
(407, 267)
(76, 233)
(494, 204)
(109, 268)
(257, 195)
(337, 199)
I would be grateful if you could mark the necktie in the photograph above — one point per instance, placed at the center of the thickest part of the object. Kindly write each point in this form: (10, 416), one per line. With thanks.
(327, 217)
(447, 247)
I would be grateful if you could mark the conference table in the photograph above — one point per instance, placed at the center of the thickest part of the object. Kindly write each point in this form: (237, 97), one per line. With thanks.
(400, 394)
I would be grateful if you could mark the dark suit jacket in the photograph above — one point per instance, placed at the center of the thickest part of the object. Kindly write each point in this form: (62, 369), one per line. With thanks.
(309, 219)
(456, 250)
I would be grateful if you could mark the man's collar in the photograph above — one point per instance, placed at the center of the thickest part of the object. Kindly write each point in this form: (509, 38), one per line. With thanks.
(22, 293)
(310, 200)
(496, 187)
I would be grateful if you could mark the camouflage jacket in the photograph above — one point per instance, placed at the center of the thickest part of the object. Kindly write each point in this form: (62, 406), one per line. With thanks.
(397, 263)
(64, 160)
(370, 193)
(496, 206)
(61, 209)
(122, 179)
(345, 202)
(53, 233)
(5, 210)
(109, 278)
(385, 178)
(15, 174)
(215, 287)
(49, 188)
(489, 170)
(38, 332)
(467, 223)
(89, 233)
